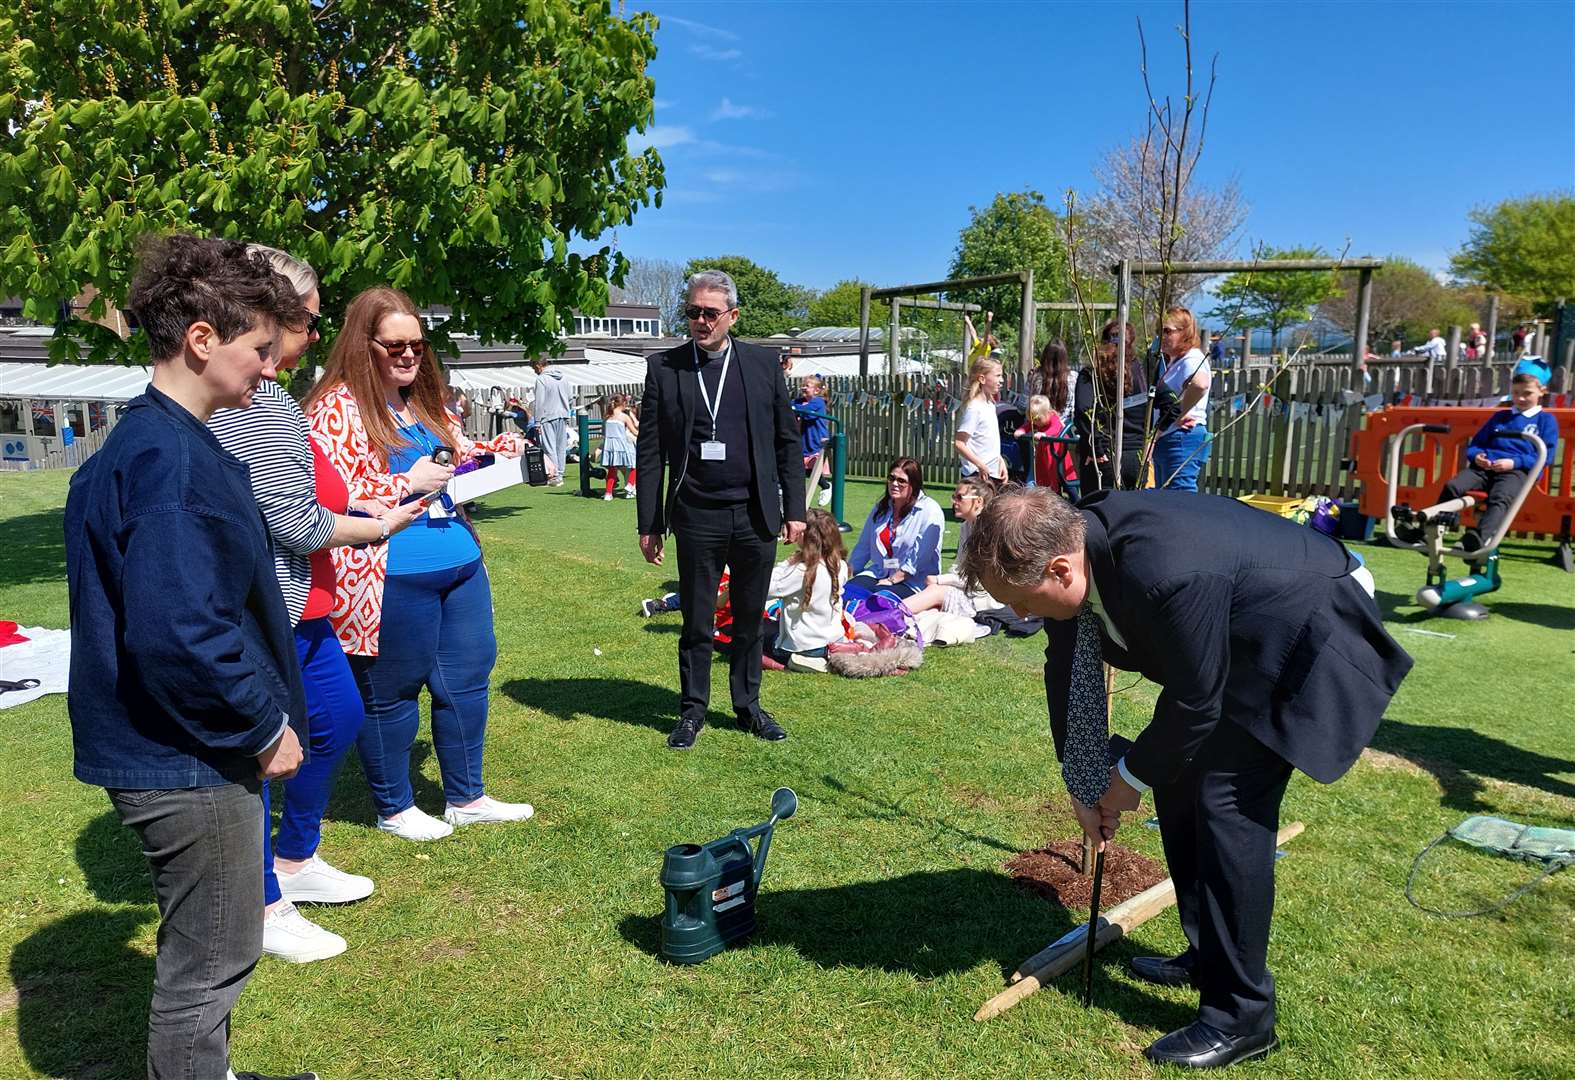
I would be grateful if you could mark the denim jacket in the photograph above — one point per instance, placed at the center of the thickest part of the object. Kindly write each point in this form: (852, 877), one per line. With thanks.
(183, 663)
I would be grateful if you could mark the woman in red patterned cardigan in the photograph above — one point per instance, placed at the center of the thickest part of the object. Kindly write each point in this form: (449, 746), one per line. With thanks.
(415, 612)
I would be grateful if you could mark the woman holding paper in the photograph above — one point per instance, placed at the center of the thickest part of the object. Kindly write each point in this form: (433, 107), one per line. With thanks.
(416, 612)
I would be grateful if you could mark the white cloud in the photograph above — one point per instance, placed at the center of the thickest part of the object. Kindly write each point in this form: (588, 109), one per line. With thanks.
(704, 29)
(728, 111)
(662, 103)
(707, 52)
(661, 136)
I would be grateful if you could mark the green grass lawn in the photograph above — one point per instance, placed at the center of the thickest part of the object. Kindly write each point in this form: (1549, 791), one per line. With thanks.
(886, 917)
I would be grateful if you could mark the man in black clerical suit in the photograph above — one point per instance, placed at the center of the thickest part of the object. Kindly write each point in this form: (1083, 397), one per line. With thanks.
(1271, 657)
(717, 422)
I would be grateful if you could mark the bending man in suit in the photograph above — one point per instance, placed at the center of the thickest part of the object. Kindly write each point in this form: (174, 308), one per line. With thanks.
(1271, 657)
(717, 423)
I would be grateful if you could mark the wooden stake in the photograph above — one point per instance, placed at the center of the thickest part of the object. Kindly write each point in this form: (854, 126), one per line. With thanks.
(1062, 956)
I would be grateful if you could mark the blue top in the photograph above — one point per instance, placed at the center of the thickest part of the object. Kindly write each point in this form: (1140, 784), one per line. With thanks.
(813, 425)
(916, 541)
(1500, 438)
(183, 664)
(429, 543)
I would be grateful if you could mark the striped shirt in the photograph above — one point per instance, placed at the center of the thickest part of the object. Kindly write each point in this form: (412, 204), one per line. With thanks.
(272, 439)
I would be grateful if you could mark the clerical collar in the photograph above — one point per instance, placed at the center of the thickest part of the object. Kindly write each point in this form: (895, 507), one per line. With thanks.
(709, 355)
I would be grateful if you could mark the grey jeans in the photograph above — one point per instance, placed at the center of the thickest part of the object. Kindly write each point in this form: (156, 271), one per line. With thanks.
(204, 846)
(554, 437)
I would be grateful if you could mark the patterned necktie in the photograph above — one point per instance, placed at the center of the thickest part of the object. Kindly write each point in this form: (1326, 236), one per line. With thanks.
(1085, 756)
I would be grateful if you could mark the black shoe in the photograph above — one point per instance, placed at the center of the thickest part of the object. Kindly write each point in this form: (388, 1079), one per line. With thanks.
(1471, 542)
(1163, 970)
(1407, 530)
(685, 734)
(1199, 1046)
(762, 726)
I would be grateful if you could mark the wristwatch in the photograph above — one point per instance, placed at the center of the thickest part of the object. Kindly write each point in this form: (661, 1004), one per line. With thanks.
(383, 524)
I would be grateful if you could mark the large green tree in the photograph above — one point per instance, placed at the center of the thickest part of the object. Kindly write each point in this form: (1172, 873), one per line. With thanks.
(839, 306)
(767, 305)
(1017, 231)
(1407, 301)
(1522, 246)
(453, 149)
(1274, 299)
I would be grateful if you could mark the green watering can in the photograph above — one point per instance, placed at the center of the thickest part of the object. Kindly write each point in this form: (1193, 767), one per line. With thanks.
(711, 888)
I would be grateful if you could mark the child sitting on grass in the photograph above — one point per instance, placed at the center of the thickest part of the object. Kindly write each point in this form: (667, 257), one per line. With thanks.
(809, 583)
(1498, 461)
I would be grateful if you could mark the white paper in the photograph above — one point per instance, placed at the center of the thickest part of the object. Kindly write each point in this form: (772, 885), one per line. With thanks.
(467, 487)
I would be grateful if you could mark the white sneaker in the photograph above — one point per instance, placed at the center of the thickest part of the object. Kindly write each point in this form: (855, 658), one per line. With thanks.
(295, 939)
(800, 662)
(607, 497)
(488, 809)
(628, 491)
(319, 883)
(413, 824)
(824, 499)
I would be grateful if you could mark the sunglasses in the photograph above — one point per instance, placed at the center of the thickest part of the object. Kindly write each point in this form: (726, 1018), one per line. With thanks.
(313, 320)
(898, 481)
(417, 347)
(1171, 329)
(698, 313)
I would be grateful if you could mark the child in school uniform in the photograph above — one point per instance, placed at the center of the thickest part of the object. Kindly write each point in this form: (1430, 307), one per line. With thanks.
(619, 430)
(1052, 463)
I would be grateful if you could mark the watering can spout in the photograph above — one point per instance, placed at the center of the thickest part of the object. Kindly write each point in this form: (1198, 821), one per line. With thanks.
(783, 805)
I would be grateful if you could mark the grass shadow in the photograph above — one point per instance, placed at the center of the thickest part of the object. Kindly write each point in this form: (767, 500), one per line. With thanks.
(351, 800)
(889, 810)
(1552, 616)
(82, 990)
(35, 549)
(662, 628)
(930, 924)
(483, 512)
(625, 700)
(1458, 758)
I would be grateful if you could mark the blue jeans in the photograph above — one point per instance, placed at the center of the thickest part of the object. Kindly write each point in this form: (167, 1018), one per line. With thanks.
(204, 849)
(334, 717)
(436, 633)
(1176, 466)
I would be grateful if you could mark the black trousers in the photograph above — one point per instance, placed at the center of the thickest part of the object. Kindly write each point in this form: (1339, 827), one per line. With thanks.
(1218, 821)
(1501, 488)
(708, 539)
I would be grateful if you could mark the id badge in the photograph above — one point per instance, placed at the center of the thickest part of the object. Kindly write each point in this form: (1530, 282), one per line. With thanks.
(713, 451)
(893, 564)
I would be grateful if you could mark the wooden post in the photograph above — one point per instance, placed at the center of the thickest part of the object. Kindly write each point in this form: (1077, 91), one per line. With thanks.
(1123, 312)
(892, 354)
(1364, 308)
(1063, 955)
(1025, 332)
(1452, 351)
(1246, 347)
(1492, 326)
(864, 332)
(1283, 430)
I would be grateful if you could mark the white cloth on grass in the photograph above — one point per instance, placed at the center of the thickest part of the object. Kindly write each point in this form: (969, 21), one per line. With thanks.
(45, 656)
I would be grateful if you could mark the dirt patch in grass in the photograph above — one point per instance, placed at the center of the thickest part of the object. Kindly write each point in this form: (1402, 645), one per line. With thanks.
(1055, 873)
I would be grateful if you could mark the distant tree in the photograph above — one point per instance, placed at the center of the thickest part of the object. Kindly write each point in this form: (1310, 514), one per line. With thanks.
(452, 150)
(1132, 217)
(659, 282)
(1017, 231)
(767, 305)
(1407, 301)
(839, 306)
(1274, 299)
(1523, 246)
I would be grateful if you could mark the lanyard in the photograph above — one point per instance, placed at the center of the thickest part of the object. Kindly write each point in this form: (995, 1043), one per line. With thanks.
(721, 384)
(415, 433)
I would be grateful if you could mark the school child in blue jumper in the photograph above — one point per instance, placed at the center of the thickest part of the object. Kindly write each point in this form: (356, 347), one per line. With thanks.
(1498, 459)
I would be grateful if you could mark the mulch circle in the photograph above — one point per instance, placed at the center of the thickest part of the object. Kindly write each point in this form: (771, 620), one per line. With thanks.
(1055, 873)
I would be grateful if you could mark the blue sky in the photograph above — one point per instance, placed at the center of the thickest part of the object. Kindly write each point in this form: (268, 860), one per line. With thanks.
(849, 139)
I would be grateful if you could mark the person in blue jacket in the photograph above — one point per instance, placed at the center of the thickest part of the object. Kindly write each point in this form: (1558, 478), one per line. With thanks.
(1499, 459)
(899, 548)
(185, 692)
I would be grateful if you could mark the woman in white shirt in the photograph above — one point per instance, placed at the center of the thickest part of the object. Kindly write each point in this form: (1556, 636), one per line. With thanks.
(900, 544)
(1183, 447)
(979, 431)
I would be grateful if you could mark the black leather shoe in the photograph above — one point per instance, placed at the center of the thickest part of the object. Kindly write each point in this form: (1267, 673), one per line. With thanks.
(762, 726)
(1199, 1046)
(1163, 970)
(684, 735)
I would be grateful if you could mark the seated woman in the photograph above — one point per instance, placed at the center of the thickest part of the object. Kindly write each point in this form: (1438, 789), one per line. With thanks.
(900, 545)
(946, 591)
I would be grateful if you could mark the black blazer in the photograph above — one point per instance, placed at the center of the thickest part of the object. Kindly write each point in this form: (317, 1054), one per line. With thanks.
(667, 417)
(1238, 613)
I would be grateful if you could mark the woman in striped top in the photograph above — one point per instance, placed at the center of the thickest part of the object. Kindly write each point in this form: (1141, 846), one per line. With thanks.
(304, 504)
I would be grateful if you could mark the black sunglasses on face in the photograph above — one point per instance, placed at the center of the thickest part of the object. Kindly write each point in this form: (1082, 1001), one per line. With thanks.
(417, 347)
(313, 320)
(696, 312)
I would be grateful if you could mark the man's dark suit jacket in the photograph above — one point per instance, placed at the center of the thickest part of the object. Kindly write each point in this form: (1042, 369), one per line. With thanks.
(667, 419)
(1235, 613)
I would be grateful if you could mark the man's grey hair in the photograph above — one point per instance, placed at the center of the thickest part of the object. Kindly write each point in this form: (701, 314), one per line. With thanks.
(298, 272)
(1016, 534)
(717, 280)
